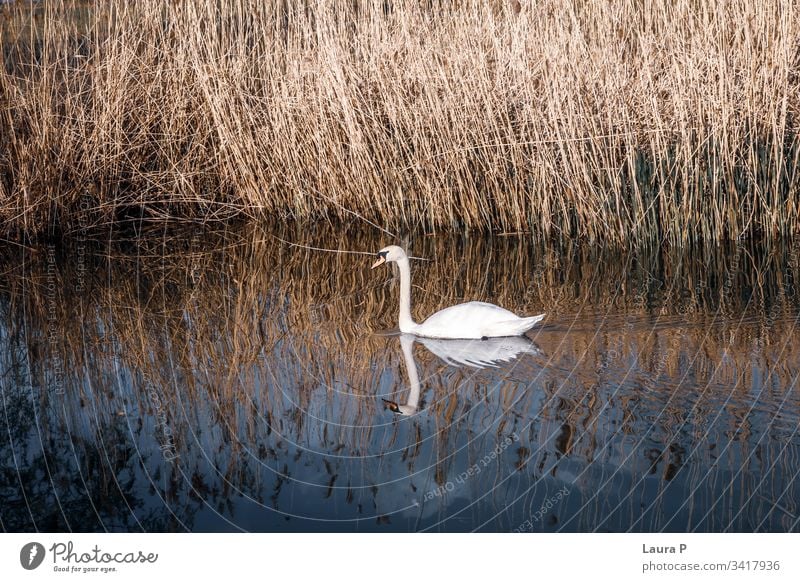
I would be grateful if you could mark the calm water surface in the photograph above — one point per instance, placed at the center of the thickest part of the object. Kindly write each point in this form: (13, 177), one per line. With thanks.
(221, 382)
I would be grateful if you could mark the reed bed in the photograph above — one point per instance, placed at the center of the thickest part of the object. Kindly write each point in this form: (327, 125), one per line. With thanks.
(615, 121)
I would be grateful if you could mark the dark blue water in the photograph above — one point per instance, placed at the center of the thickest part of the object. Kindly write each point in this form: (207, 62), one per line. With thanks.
(208, 383)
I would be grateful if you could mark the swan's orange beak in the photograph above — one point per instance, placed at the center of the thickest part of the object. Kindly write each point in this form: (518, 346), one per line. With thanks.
(381, 260)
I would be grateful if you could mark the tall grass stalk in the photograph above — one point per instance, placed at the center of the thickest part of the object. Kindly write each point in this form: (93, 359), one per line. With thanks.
(623, 121)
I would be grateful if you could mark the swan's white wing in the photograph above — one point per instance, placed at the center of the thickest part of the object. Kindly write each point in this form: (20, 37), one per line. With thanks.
(479, 353)
(472, 320)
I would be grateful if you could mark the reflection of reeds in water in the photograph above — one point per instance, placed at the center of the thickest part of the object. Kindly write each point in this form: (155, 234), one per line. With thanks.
(614, 122)
(253, 363)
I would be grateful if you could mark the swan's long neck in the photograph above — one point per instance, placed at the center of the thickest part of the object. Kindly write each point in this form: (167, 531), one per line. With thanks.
(406, 323)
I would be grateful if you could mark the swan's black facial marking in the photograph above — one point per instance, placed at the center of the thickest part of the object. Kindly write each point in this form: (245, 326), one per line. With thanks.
(382, 258)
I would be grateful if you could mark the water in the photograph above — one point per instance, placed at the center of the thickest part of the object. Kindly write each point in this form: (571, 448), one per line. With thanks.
(229, 381)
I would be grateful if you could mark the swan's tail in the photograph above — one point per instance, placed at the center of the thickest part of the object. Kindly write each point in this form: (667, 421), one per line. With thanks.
(517, 326)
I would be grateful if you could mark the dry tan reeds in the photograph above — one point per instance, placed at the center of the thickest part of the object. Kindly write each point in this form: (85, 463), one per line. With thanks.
(614, 121)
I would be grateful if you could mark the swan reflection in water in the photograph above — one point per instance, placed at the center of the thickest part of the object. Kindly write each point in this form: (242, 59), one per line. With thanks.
(471, 353)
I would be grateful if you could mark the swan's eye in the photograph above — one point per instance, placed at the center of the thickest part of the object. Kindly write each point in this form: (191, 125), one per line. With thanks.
(383, 254)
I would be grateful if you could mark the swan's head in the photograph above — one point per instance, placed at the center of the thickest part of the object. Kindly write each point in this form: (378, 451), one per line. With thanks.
(389, 254)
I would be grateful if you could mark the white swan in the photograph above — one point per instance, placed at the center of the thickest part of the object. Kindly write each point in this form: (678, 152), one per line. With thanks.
(473, 320)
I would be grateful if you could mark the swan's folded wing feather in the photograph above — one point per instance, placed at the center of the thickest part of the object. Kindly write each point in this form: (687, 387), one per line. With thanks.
(465, 320)
(516, 326)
